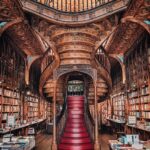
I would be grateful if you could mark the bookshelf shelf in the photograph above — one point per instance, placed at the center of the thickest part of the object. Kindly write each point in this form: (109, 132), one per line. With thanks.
(49, 112)
(118, 102)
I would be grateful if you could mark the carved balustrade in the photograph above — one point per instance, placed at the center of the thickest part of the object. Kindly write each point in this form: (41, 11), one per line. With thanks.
(73, 6)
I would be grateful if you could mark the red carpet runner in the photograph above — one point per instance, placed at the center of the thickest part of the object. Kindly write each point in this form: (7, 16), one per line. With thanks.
(75, 136)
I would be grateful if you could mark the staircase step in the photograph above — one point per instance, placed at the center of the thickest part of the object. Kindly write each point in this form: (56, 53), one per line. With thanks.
(75, 135)
(75, 121)
(75, 112)
(75, 125)
(75, 98)
(75, 130)
(75, 147)
(75, 116)
(76, 106)
(75, 141)
(75, 102)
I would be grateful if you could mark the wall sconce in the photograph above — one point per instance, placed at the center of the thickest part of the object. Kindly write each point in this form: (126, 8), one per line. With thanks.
(133, 86)
(1, 81)
(27, 90)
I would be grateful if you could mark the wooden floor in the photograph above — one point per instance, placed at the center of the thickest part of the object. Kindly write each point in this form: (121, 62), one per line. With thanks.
(43, 141)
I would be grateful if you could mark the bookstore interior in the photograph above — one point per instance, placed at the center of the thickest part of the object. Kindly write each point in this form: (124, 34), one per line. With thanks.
(75, 74)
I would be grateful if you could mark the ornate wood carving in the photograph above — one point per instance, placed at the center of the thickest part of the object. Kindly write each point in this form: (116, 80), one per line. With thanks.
(139, 12)
(130, 30)
(7, 25)
(20, 31)
(74, 45)
(74, 68)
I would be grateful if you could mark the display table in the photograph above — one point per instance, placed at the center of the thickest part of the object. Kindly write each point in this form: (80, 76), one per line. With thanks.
(116, 145)
(117, 121)
(19, 143)
(141, 130)
(117, 126)
(139, 127)
(5, 131)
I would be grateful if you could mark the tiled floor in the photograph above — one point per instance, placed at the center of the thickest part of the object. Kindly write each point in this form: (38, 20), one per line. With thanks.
(43, 141)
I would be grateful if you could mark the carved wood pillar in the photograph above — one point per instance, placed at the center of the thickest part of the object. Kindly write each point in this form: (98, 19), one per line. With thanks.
(96, 144)
(54, 143)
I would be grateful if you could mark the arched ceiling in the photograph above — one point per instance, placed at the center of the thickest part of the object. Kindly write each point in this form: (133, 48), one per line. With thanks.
(18, 31)
(131, 28)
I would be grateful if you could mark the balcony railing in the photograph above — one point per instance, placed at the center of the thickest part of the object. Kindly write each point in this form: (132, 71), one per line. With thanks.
(73, 6)
(47, 60)
(103, 59)
(74, 12)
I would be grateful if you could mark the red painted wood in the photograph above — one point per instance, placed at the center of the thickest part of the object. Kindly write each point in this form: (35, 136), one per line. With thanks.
(75, 147)
(75, 136)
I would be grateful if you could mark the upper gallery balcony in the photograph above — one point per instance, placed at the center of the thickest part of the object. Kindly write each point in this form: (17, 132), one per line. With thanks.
(73, 6)
(73, 12)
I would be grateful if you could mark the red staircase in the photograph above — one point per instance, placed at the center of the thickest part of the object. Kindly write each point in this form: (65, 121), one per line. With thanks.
(75, 136)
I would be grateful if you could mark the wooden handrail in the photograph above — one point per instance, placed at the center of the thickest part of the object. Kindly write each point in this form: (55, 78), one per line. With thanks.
(50, 62)
(89, 120)
(47, 60)
(61, 120)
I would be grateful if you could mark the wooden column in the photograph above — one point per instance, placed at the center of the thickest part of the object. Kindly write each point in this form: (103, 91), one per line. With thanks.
(96, 144)
(54, 143)
(1, 113)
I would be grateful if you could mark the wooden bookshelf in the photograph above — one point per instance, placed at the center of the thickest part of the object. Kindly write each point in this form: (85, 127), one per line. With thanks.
(138, 81)
(134, 103)
(105, 111)
(42, 108)
(33, 107)
(10, 105)
(138, 88)
(118, 102)
(49, 112)
(145, 102)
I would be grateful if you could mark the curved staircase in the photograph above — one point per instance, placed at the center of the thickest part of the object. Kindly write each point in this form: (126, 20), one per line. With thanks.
(75, 135)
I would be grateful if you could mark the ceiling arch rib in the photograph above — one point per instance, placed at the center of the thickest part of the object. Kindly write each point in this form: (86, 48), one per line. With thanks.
(18, 29)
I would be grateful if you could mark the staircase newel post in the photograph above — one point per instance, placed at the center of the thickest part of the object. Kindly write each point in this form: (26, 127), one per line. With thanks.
(96, 144)
(54, 143)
